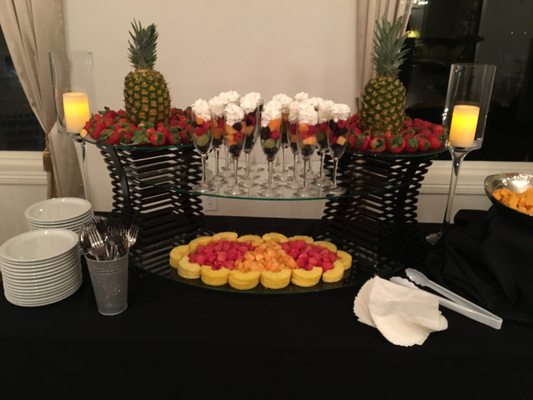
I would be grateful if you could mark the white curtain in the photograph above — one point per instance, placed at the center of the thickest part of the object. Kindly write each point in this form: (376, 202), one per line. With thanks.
(33, 28)
(367, 13)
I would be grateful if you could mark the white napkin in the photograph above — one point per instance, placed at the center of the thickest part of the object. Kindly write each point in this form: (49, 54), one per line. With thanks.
(405, 316)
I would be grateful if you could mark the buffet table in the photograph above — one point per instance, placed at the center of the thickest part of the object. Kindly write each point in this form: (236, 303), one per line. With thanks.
(179, 341)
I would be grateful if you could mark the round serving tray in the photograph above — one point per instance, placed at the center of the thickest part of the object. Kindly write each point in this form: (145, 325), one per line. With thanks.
(350, 279)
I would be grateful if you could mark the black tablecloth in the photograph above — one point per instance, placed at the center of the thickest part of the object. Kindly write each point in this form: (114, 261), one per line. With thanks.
(179, 341)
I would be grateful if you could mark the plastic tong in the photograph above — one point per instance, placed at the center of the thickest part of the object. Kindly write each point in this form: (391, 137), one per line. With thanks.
(453, 301)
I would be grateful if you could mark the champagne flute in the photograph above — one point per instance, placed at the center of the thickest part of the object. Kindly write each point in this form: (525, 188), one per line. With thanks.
(325, 108)
(270, 139)
(251, 105)
(337, 140)
(234, 141)
(285, 102)
(201, 138)
(306, 131)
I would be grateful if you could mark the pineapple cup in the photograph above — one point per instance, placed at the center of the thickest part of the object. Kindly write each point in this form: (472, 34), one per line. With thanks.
(306, 141)
(202, 138)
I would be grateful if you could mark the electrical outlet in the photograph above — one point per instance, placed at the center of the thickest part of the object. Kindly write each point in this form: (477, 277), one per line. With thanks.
(210, 203)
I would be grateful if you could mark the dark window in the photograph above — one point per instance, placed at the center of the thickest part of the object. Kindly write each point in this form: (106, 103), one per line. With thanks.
(443, 32)
(19, 129)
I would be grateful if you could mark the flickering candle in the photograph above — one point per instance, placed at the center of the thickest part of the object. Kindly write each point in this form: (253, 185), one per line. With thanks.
(76, 108)
(464, 125)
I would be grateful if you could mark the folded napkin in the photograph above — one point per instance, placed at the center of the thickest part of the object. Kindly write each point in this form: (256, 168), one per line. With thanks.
(405, 316)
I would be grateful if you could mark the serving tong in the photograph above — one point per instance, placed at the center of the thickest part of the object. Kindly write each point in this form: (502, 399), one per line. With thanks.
(450, 300)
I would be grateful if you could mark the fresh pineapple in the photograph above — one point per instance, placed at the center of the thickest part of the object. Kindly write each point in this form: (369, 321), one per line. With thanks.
(146, 96)
(383, 100)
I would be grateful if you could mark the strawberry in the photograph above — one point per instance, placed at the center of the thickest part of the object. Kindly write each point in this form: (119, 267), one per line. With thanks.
(437, 129)
(434, 142)
(423, 142)
(377, 144)
(362, 142)
(396, 144)
(411, 144)
(424, 132)
(155, 138)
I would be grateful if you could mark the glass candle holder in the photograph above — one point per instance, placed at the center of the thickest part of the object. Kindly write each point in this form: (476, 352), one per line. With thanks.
(73, 90)
(464, 118)
(73, 86)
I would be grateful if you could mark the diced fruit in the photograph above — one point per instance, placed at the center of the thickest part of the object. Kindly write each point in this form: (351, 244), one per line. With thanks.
(269, 144)
(275, 124)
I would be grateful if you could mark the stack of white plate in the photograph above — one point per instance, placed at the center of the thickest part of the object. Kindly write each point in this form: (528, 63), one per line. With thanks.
(40, 267)
(60, 212)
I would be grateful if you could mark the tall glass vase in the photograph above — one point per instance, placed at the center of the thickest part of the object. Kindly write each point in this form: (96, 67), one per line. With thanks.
(464, 118)
(73, 87)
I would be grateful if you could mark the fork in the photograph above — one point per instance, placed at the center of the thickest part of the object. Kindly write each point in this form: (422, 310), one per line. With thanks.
(97, 244)
(131, 234)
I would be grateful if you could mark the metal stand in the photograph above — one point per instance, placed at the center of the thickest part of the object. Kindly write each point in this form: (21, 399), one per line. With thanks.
(151, 187)
(376, 221)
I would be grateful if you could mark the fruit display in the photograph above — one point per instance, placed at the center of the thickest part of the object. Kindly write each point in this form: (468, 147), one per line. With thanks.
(272, 260)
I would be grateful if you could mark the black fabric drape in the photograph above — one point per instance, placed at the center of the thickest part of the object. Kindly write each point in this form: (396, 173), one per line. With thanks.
(488, 258)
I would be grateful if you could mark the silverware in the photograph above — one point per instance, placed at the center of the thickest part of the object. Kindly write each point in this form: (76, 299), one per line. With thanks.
(98, 248)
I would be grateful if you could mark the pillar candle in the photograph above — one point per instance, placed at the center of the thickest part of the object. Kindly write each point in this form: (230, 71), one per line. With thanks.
(464, 124)
(76, 108)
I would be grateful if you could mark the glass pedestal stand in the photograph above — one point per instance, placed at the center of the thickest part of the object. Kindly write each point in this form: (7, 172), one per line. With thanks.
(83, 163)
(458, 156)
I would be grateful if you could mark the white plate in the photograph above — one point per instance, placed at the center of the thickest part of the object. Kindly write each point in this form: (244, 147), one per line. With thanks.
(39, 265)
(62, 224)
(40, 283)
(41, 245)
(43, 302)
(57, 209)
(32, 294)
(48, 275)
(42, 276)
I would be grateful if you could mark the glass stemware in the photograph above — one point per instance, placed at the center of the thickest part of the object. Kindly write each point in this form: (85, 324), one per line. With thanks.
(306, 141)
(337, 140)
(202, 138)
(464, 117)
(284, 130)
(218, 137)
(270, 143)
(293, 144)
(251, 123)
(234, 140)
(323, 132)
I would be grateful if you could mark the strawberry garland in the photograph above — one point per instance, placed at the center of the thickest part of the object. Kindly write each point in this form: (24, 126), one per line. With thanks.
(416, 136)
(114, 127)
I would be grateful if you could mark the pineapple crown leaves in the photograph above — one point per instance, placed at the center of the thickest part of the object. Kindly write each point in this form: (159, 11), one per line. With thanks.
(388, 42)
(142, 48)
